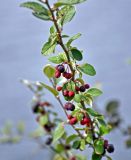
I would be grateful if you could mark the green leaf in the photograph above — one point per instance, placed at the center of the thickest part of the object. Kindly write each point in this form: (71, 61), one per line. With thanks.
(77, 98)
(105, 129)
(89, 138)
(87, 99)
(58, 133)
(77, 55)
(48, 48)
(49, 71)
(99, 146)
(96, 157)
(38, 10)
(71, 138)
(76, 144)
(66, 14)
(72, 39)
(43, 120)
(87, 69)
(68, 2)
(80, 157)
(58, 59)
(58, 157)
(82, 145)
(60, 148)
(128, 143)
(20, 127)
(94, 92)
(108, 158)
(92, 112)
(52, 90)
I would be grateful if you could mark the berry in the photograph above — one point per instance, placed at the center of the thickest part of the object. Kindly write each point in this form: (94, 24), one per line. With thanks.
(86, 120)
(87, 86)
(35, 108)
(82, 122)
(69, 106)
(49, 141)
(73, 158)
(71, 94)
(110, 148)
(82, 89)
(65, 93)
(105, 143)
(60, 68)
(57, 74)
(69, 116)
(47, 127)
(59, 88)
(73, 121)
(67, 147)
(77, 88)
(67, 75)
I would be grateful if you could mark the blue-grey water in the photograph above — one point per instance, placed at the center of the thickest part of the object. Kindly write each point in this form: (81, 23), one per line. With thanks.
(106, 41)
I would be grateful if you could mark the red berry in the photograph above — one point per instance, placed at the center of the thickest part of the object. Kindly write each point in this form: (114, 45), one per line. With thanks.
(60, 68)
(68, 76)
(71, 94)
(77, 88)
(87, 86)
(69, 116)
(73, 121)
(105, 143)
(65, 93)
(64, 74)
(73, 158)
(57, 74)
(86, 120)
(82, 122)
(59, 88)
(82, 89)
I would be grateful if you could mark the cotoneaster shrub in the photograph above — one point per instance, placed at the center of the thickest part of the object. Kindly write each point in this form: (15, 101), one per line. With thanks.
(66, 77)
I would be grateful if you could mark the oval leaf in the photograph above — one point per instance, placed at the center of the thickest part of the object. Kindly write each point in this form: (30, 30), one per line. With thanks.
(58, 133)
(77, 55)
(87, 69)
(94, 92)
(49, 71)
(99, 146)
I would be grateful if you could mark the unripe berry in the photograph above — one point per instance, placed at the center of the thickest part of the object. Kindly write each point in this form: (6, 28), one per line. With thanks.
(82, 89)
(60, 68)
(69, 106)
(57, 74)
(73, 121)
(87, 86)
(71, 94)
(59, 88)
(77, 88)
(65, 93)
(110, 148)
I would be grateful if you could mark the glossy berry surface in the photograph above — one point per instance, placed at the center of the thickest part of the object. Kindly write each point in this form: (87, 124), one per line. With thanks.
(77, 88)
(105, 143)
(69, 106)
(87, 86)
(82, 89)
(71, 94)
(65, 93)
(69, 116)
(110, 148)
(57, 74)
(73, 121)
(60, 68)
(59, 88)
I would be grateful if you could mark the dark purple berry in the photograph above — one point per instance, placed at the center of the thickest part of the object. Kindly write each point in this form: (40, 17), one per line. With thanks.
(110, 148)
(69, 106)
(61, 68)
(35, 108)
(105, 143)
(82, 89)
(49, 141)
(87, 86)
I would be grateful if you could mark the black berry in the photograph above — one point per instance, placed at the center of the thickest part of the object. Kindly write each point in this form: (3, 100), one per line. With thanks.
(49, 141)
(82, 89)
(61, 68)
(110, 148)
(35, 108)
(87, 86)
(69, 106)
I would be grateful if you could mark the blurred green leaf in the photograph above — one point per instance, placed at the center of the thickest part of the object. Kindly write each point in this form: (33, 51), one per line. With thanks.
(58, 59)
(71, 138)
(68, 2)
(48, 48)
(87, 69)
(96, 157)
(49, 71)
(112, 107)
(94, 92)
(99, 146)
(72, 39)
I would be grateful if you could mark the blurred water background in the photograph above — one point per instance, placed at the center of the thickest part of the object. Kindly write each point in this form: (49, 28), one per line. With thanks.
(106, 41)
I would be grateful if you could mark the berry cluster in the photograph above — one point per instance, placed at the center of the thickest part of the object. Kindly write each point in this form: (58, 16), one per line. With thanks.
(108, 147)
(60, 70)
(72, 120)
